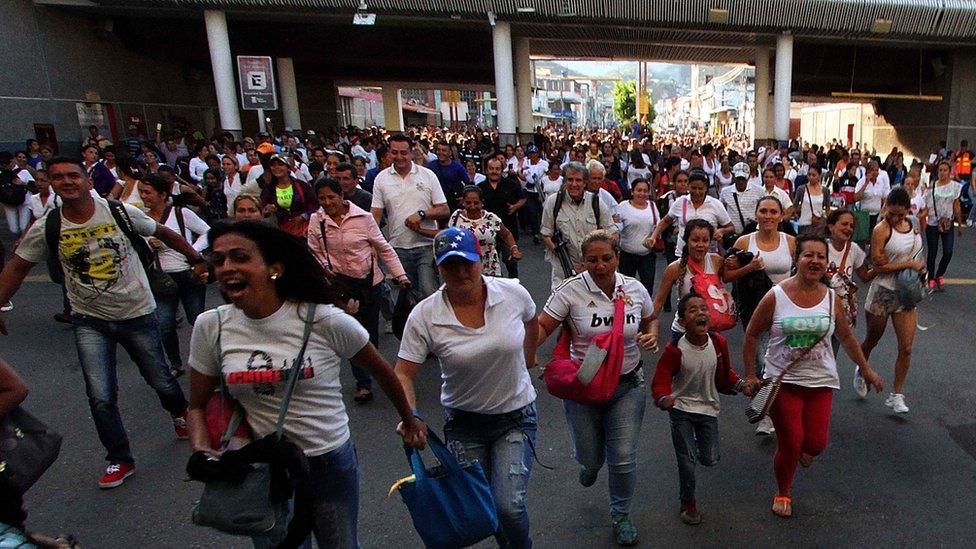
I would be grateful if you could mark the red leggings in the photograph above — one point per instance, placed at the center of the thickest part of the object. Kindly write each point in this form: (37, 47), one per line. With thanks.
(802, 419)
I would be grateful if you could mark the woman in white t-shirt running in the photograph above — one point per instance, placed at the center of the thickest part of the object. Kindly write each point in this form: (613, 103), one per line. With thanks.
(272, 280)
(800, 316)
(154, 191)
(607, 432)
(635, 220)
(486, 391)
(845, 258)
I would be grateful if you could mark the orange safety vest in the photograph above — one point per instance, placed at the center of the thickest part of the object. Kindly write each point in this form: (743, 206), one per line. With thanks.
(964, 163)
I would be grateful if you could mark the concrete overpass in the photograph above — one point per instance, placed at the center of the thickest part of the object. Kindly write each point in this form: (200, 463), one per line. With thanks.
(811, 49)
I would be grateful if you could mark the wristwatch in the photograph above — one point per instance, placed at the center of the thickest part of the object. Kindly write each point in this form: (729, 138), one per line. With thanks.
(422, 214)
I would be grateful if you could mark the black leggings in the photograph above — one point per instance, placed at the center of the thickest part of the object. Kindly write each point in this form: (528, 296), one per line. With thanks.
(932, 238)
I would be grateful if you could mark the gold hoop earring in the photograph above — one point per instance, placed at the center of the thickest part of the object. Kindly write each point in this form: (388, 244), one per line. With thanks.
(274, 276)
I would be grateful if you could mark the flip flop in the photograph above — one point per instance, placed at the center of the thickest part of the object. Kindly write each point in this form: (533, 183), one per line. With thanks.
(363, 395)
(785, 505)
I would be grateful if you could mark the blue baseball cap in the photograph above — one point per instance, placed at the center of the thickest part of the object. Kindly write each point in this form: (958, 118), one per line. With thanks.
(454, 241)
(532, 149)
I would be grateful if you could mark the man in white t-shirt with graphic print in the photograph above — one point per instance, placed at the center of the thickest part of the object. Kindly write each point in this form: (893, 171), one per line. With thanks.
(111, 302)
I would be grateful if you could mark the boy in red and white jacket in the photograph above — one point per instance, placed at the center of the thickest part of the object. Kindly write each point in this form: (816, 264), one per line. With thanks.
(690, 375)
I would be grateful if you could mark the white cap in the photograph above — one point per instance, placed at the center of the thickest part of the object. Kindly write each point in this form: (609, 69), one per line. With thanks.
(741, 170)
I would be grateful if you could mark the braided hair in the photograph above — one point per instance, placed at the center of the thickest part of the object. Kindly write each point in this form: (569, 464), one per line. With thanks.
(685, 252)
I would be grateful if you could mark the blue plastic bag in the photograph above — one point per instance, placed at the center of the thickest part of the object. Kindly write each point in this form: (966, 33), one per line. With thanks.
(454, 506)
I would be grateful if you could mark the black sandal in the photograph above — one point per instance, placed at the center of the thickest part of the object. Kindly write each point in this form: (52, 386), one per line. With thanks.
(363, 396)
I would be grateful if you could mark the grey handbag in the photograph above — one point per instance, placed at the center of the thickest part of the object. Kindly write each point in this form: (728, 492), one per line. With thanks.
(244, 508)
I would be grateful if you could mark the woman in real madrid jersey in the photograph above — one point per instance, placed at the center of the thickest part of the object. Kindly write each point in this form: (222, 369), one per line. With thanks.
(609, 431)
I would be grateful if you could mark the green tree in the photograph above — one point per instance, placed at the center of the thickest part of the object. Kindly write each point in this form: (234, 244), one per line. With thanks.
(625, 102)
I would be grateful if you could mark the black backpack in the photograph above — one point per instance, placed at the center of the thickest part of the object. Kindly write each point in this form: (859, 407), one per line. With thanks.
(11, 192)
(559, 204)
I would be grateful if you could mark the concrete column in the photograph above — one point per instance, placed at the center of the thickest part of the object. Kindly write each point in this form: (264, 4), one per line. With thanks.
(762, 95)
(223, 71)
(783, 86)
(501, 38)
(392, 109)
(289, 93)
(523, 89)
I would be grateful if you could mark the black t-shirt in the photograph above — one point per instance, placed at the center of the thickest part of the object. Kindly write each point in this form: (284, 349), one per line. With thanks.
(496, 200)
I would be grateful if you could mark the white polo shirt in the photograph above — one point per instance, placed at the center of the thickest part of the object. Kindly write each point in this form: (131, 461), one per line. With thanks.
(482, 369)
(402, 197)
(684, 210)
(783, 196)
(874, 195)
(590, 313)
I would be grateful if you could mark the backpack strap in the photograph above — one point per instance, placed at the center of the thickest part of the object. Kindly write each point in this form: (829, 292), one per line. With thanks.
(596, 208)
(52, 230)
(124, 222)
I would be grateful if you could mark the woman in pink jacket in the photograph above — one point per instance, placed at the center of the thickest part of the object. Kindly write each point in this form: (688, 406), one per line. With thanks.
(346, 240)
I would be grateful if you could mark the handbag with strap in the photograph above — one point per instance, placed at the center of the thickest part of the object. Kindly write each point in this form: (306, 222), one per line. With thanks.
(721, 305)
(595, 379)
(245, 508)
(27, 449)
(451, 505)
(351, 287)
(762, 402)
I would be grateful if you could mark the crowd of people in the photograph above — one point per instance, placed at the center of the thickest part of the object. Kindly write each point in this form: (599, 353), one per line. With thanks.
(331, 234)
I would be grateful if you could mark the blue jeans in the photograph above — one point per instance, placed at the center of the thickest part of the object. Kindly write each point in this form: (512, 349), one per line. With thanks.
(695, 438)
(333, 483)
(193, 296)
(531, 214)
(609, 432)
(96, 340)
(932, 239)
(503, 444)
(642, 266)
(369, 318)
(418, 263)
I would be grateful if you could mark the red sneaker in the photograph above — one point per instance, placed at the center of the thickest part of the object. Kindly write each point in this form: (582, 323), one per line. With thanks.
(179, 425)
(116, 474)
(932, 284)
(940, 281)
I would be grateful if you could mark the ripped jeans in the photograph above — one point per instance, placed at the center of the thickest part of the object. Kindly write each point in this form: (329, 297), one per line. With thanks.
(503, 444)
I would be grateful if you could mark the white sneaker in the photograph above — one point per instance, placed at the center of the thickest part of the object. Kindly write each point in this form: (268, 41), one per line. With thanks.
(860, 386)
(8, 307)
(896, 402)
(765, 426)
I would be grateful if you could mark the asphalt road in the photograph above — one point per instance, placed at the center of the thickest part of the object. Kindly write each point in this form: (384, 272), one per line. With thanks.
(884, 480)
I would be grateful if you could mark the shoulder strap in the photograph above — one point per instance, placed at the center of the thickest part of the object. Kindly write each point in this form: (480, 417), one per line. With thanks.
(735, 196)
(52, 230)
(843, 260)
(596, 207)
(325, 243)
(684, 211)
(124, 222)
(803, 354)
(180, 222)
(296, 371)
(935, 208)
